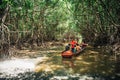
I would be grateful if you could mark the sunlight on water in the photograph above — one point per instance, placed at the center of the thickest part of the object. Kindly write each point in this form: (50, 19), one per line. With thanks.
(88, 66)
(15, 66)
(75, 77)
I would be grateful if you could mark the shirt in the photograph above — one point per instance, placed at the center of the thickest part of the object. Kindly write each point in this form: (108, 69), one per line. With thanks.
(73, 43)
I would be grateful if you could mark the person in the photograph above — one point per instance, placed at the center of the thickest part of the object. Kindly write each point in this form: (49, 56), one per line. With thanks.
(83, 44)
(67, 47)
(78, 48)
(73, 45)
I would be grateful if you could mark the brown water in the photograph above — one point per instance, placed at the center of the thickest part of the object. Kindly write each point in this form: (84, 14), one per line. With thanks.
(89, 65)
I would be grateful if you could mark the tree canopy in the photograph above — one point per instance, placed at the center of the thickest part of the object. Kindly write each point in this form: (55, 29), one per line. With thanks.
(45, 20)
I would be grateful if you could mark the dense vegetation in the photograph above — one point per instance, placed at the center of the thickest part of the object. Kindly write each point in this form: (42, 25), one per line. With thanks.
(37, 21)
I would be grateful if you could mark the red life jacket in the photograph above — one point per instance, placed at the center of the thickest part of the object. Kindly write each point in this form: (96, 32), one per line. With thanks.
(73, 43)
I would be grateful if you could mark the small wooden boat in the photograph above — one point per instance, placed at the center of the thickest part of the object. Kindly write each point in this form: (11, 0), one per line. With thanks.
(69, 53)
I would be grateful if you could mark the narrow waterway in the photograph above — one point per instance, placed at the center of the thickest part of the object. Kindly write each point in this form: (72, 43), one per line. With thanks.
(49, 65)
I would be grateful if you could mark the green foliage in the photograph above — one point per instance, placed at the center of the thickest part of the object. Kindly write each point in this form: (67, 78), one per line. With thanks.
(3, 3)
(49, 19)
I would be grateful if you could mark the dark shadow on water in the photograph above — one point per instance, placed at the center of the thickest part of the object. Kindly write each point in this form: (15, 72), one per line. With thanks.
(50, 76)
(2, 78)
(89, 65)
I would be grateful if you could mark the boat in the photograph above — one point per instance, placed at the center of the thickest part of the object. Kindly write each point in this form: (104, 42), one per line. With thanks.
(67, 54)
(70, 54)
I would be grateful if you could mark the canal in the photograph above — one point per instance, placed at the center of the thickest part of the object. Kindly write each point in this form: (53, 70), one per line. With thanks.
(91, 64)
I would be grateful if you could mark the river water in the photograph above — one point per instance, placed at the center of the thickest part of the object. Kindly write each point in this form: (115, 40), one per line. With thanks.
(89, 65)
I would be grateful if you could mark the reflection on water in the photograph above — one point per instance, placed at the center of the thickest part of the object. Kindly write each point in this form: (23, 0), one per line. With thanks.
(89, 65)
(68, 63)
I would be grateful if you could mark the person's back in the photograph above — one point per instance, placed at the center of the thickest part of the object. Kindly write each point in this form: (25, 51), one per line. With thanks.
(83, 45)
(67, 47)
(73, 44)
